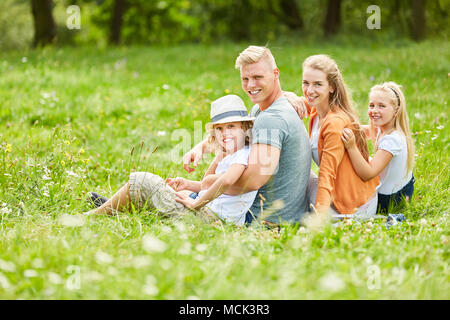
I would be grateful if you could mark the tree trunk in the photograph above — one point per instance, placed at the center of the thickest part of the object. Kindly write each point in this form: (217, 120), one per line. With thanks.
(116, 21)
(44, 25)
(333, 18)
(418, 23)
(291, 14)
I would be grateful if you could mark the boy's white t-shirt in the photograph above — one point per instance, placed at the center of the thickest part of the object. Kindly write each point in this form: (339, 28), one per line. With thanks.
(232, 208)
(394, 177)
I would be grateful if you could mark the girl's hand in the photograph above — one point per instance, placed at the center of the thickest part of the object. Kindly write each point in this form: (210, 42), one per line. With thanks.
(178, 183)
(348, 138)
(185, 200)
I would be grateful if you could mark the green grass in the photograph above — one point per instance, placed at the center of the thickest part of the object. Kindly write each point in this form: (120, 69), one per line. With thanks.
(74, 120)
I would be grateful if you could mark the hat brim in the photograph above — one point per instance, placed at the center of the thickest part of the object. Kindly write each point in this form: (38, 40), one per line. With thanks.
(209, 125)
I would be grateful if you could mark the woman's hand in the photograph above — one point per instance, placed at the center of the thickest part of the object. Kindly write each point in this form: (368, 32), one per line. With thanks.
(348, 138)
(298, 103)
(178, 183)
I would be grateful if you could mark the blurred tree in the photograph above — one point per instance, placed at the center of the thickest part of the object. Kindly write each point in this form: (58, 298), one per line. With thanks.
(291, 14)
(44, 25)
(333, 18)
(418, 23)
(116, 21)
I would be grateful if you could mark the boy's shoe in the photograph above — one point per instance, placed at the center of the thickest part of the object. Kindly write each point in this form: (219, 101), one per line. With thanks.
(96, 199)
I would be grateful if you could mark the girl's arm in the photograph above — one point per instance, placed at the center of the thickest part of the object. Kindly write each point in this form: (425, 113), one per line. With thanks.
(364, 170)
(222, 183)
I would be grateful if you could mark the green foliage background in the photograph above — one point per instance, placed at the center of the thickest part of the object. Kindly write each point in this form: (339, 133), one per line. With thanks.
(211, 21)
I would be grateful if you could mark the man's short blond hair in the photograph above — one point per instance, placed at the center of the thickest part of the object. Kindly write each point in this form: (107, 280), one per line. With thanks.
(255, 54)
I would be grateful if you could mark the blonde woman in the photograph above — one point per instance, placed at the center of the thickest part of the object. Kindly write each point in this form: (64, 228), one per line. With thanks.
(338, 190)
(393, 160)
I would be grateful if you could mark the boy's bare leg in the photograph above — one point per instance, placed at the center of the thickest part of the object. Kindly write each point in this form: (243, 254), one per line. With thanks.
(119, 201)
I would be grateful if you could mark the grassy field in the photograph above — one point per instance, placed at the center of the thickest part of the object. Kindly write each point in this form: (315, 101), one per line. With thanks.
(74, 120)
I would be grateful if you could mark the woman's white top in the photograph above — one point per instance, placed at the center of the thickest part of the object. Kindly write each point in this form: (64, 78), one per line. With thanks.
(314, 141)
(232, 208)
(395, 176)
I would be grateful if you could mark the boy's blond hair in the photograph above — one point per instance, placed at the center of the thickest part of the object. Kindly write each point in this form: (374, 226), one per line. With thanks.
(255, 54)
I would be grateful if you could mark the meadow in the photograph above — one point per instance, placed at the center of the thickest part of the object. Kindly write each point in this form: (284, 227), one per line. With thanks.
(74, 120)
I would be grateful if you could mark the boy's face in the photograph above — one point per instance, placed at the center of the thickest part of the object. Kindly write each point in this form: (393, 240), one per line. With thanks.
(230, 136)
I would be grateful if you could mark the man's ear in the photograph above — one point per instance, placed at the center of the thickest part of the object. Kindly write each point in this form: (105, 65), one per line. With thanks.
(276, 72)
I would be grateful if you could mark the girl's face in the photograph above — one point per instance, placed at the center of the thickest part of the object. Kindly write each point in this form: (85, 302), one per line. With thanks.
(316, 88)
(230, 136)
(381, 110)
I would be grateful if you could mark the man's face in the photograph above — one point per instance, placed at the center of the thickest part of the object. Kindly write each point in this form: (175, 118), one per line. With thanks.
(259, 81)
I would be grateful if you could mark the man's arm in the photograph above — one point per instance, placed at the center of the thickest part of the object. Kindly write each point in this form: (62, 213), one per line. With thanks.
(262, 164)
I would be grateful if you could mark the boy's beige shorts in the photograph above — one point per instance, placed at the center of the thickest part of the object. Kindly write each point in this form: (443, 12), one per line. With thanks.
(148, 189)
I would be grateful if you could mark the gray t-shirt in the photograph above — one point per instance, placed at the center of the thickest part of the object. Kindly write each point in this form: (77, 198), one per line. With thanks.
(280, 126)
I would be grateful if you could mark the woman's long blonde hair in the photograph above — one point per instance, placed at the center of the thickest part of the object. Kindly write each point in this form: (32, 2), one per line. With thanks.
(340, 98)
(397, 100)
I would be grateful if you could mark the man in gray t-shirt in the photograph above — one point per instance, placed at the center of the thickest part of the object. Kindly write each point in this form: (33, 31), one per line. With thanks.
(279, 126)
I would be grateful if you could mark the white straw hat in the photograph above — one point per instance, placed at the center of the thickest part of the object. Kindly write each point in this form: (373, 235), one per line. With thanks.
(229, 108)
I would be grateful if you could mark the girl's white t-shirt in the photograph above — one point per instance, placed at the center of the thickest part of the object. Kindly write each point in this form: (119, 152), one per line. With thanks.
(232, 208)
(395, 176)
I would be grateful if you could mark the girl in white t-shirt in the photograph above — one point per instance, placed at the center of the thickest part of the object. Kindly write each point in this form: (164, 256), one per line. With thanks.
(229, 135)
(393, 160)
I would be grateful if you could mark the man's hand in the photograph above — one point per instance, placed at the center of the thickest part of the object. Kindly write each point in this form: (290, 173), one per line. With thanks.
(348, 138)
(298, 103)
(178, 183)
(193, 156)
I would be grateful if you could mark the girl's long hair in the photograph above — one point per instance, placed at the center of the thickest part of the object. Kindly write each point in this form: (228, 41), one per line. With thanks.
(340, 98)
(398, 101)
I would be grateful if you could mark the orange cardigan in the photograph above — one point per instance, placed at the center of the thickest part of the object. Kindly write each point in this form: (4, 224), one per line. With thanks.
(338, 181)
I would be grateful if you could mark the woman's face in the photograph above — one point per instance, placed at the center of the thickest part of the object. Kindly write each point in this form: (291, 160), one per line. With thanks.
(316, 88)
(230, 136)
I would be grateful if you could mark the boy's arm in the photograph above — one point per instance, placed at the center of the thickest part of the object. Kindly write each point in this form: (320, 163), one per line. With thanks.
(195, 155)
(179, 184)
(218, 187)
(363, 169)
(213, 166)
